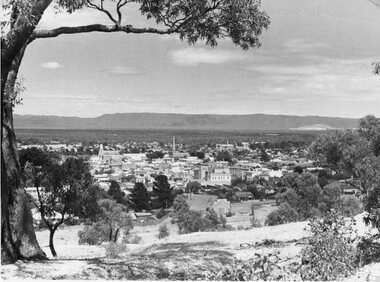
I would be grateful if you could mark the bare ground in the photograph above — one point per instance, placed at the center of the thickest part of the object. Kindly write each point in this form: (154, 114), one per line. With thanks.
(177, 256)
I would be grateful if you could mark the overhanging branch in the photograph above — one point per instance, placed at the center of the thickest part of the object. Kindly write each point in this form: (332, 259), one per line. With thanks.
(40, 33)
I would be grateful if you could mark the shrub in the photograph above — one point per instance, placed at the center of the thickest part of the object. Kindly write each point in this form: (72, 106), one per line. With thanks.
(315, 213)
(227, 227)
(260, 268)
(93, 234)
(330, 254)
(255, 222)
(163, 231)
(284, 214)
(348, 205)
(211, 220)
(189, 221)
(368, 250)
(115, 250)
(161, 213)
(131, 239)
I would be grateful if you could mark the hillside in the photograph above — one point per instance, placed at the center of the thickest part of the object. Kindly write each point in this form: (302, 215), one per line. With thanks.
(183, 121)
(176, 257)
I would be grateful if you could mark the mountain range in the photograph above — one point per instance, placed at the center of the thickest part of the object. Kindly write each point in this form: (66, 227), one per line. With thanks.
(185, 121)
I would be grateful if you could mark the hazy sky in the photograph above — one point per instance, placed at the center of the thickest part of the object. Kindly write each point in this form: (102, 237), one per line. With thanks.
(315, 60)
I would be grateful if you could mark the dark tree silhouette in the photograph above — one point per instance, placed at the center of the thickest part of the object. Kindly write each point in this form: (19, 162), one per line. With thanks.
(139, 200)
(115, 192)
(162, 189)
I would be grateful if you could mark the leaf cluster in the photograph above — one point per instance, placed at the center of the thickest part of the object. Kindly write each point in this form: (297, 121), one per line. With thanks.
(210, 20)
(330, 254)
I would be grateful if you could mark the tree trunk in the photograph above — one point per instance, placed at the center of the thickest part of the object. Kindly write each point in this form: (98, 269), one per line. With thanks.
(51, 244)
(18, 239)
(110, 234)
(115, 236)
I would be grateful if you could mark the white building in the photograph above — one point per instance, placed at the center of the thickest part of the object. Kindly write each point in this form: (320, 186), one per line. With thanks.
(220, 178)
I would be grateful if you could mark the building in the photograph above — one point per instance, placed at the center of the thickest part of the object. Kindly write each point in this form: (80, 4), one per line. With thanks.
(109, 156)
(220, 178)
(221, 147)
(244, 196)
(222, 207)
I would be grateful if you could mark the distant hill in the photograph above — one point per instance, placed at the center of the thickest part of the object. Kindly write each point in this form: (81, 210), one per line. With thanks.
(183, 121)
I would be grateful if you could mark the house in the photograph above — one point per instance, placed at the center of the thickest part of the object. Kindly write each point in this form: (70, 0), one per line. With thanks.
(222, 207)
(143, 216)
(244, 196)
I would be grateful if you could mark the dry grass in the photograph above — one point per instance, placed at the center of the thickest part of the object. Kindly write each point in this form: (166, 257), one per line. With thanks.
(176, 257)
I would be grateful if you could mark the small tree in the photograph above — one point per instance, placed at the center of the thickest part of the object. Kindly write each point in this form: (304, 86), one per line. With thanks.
(162, 189)
(115, 192)
(193, 187)
(189, 221)
(223, 156)
(68, 190)
(113, 221)
(264, 156)
(254, 221)
(284, 214)
(163, 231)
(139, 200)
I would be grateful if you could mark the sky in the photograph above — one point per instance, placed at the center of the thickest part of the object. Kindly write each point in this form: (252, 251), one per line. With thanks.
(315, 59)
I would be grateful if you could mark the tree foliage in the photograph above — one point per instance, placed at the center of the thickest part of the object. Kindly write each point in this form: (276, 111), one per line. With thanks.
(115, 192)
(330, 254)
(114, 222)
(139, 200)
(284, 214)
(163, 191)
(193, 187)
(356, 154)
(63, 190)
(224, 156)
(189, 221)
(163, 231)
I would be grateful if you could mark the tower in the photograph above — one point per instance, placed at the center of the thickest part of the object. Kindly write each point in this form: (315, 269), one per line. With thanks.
(101, 150)
(173, 153)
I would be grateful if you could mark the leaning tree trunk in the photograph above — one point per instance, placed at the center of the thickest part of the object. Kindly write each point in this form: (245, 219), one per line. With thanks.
(18, 239)
(51, 242)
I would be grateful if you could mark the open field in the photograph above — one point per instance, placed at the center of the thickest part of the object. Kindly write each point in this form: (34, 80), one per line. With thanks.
(242, 212)
(200, 202)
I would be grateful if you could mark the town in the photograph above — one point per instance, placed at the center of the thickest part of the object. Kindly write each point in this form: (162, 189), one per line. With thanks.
(228, 172)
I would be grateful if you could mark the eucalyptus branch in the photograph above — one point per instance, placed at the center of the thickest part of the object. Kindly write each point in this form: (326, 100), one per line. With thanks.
(119, 5)
(95, 28)
(101, 9)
